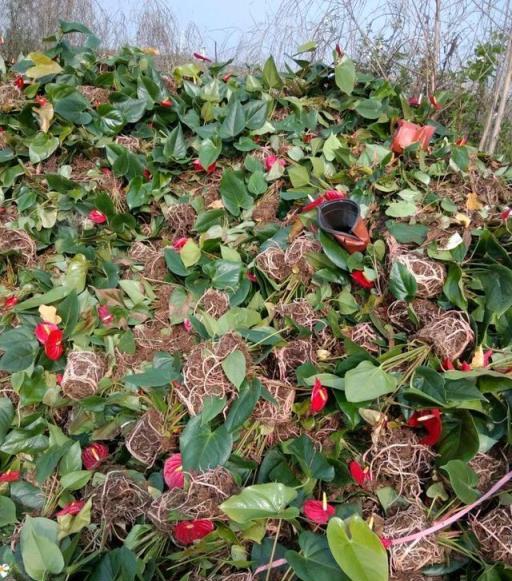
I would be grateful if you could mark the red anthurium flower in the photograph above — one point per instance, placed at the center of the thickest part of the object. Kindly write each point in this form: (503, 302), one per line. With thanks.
(251, 276)
(94, 455)
(331, 195)
(10, 302)
(270, 160)
(166, 103)
(97, 217)
(189, 531)
(53, 347)
(198, 166)
(464, 366)
(318, 511)
(106, 317)
(106, 171)
(42, 331)
(19, 82)
(359, 474)
(435, 103)
(506, 214)
(58, 378)
(202, 57)
(461, 141)
(188, 325)
(358, 277)
(408, 133)
(173, 472)
(179, 243)
(9, 476)
(487, 357)
(314, 204)
(73, 508)
(415, 101)
(319, 397)
(447, 364)
(430, 420)
(147, 174)
(40, 101)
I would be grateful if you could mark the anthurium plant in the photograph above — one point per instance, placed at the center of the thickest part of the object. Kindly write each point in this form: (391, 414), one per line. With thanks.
(197, 381)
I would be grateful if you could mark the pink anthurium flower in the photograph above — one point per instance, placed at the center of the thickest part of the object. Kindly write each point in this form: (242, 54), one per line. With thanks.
(319, 397)
(97, 217)
(173, 472)
(202, 57)
(408, 133)
(189, 531)
(270, 160)
(187, 325)
(10, 302)
(106, 317)
(179, 243)
(415, 100)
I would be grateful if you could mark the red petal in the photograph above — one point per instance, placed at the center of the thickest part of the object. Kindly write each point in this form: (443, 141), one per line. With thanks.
(173, 472)
(487, 357)
(359, 277)
(97, 217)
(94, 455)
(42, 331)
(10, 476)
(430, 421)
(465, 366)
(314, 511)
(313, 204)
(10, 302)
(72, 508)
(447, 364)
(179, 243)
(201, 57)
(358, 473)
(319, 397)
(53, 347)
(186, 532)
(105, 315)
(166, 103)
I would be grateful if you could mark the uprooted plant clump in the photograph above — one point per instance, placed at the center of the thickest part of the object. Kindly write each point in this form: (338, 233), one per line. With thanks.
(197, 381)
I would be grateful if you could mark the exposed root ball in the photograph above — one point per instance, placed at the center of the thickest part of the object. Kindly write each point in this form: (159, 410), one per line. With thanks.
(152, 259)
(293, 355)
(296, 256)
(429, 275)
(84, 369)
(17, 242)
(10, 98)
(206, 491)
(131, 142)
(118, 502)
(181, 218)
(281, 412)
(272, 262)
(450, 334)
(203, 374)
(96, 95)
(267, 206)
(300, 312)
(397, 457)
(145, 440)
(364, 335)
(214, 302)
(494, 533)
(411, 556)
(424, 310)
(488, 469)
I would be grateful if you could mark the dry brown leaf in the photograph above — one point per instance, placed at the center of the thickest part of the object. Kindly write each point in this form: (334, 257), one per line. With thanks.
(473, 203)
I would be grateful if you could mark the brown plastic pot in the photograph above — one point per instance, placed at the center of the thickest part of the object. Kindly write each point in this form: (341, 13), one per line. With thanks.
(342, 219)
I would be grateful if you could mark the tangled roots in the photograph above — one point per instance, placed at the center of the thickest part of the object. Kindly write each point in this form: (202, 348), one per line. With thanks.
(425, 311)
(145, 440)
(272, 262)
(300, 312)
(203, 374)
(181, 218)
(118, 502)
(416, 555)
(429, 275)
(96, 95)
(494, 533)
(84, 369)
(397, 457)
(279, 413)
(10, 98)
(450, 334)
(131, 142)
(488, 469)
(17, 242)
(205, 493)
(151, 258)
(214, 302)
(296, 256)
(294, 354)
(267, 206)
(365, 336)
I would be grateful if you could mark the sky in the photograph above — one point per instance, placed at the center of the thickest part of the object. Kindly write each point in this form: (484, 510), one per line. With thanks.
(217, 20)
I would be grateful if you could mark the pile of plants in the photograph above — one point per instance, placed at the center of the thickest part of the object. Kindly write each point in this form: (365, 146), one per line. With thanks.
(196, 381)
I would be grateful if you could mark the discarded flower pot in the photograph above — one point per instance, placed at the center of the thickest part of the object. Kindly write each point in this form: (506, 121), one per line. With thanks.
(342, 219)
